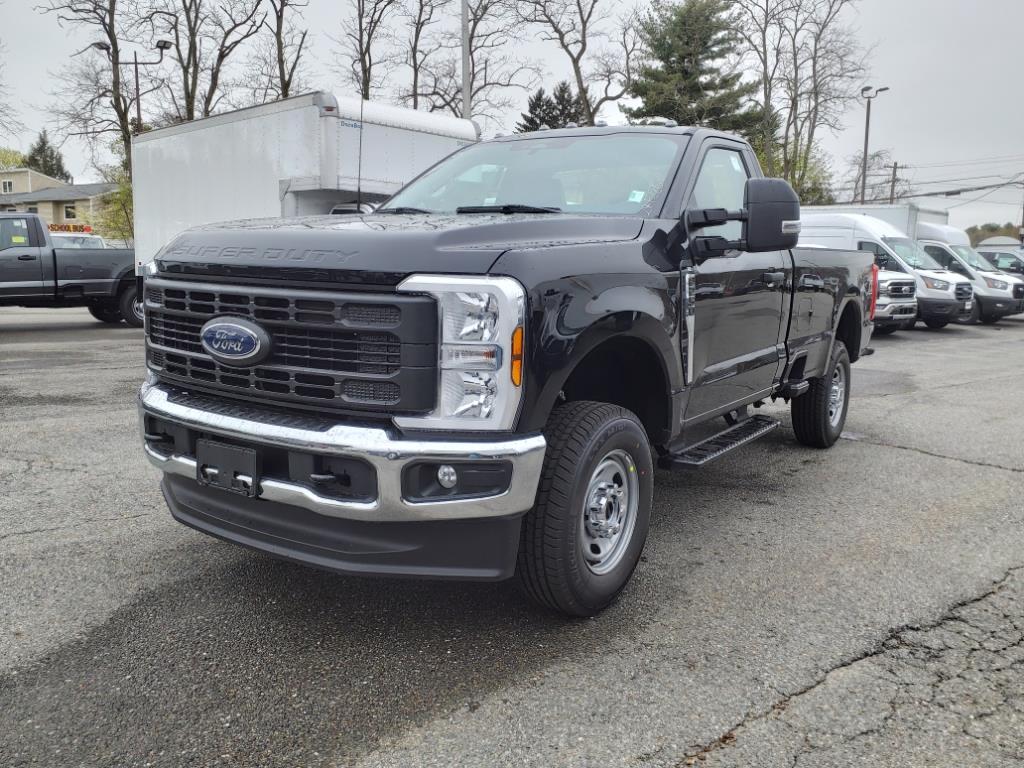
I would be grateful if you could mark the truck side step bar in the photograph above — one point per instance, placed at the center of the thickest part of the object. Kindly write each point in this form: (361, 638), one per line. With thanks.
(718, 445)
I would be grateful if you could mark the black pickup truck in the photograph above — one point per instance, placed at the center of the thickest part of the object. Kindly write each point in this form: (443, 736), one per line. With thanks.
(36, 272)
(478, 380)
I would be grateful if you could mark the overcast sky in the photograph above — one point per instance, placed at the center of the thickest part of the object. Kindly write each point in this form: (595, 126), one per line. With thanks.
(955, 111)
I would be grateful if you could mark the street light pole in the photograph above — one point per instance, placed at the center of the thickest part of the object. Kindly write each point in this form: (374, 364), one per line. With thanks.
(138, 94)
(868, 96)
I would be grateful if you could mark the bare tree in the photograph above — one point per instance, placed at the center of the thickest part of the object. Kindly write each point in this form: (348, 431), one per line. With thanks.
(760, 26)
(93, 101)
(880, 179)
(421, 45)
(363, 36)
(204, 34)
(810, 65)
(495, 67)
(602, 61)
(9, 122)
(289, 41)
(823, 69)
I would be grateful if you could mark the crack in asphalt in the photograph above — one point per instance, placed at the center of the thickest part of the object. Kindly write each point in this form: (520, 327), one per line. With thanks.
(897, 639)
(933, 454)
(79, 524)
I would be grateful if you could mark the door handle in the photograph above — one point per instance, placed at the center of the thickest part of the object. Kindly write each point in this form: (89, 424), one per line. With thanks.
(26, 257)
(771, 278)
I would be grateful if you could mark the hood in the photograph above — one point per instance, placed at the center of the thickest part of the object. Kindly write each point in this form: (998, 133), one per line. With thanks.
(943, 274)
(387, 247)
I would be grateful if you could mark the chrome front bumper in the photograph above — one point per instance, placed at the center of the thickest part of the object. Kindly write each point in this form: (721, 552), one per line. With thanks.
(901, 310)
(387, 454)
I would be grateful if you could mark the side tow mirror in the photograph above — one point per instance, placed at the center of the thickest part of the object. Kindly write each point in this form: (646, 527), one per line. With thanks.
(773, 215)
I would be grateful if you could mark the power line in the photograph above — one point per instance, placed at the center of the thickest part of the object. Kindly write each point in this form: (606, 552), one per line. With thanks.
(977, 161)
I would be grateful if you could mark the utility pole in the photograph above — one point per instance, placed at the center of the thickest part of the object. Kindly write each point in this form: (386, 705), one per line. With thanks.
(138, 95)
(892, 184)
(467, 86)
(868, 96)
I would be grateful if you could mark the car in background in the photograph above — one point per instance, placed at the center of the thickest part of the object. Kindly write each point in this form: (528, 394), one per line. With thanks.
(1010, 262)
(997, 294)
(941, 296)
(77, 240)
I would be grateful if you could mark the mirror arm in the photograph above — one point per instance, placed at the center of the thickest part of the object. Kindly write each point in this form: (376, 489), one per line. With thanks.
(712, 217)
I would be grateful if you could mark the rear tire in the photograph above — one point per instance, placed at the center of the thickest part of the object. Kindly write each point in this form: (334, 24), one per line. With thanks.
(105, 313)
(936, 324)
(819, 414)
(131, 306)
(583, 538)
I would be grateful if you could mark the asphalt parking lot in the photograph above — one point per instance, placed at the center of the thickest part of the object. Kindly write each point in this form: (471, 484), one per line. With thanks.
(794, 607)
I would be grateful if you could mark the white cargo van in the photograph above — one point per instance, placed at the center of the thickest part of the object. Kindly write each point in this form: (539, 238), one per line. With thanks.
(942, 296)
(996, 295)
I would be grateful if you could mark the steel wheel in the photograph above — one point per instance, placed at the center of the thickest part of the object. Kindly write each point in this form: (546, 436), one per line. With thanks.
(609, 511)
(837, 396)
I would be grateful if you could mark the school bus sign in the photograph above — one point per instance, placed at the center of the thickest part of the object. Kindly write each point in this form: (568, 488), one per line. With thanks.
(81, 228)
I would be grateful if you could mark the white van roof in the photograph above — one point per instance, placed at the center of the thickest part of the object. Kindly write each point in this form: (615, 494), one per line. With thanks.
(874, 227)
(942, 233)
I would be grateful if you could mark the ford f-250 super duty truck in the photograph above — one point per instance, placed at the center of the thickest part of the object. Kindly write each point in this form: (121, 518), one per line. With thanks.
(35, 271)
(478, 380)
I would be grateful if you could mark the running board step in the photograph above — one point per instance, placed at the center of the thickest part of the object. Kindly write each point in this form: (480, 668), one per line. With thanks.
(718, 445)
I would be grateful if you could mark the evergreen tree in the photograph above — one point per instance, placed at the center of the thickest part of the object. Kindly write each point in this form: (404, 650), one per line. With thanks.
(44, 157)
(540, 110)
(689, 44)
(567, 105)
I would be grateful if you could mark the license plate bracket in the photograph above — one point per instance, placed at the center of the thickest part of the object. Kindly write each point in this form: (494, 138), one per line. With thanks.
(228, 467)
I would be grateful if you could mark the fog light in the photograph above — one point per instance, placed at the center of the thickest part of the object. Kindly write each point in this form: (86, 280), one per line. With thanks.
(447, 476)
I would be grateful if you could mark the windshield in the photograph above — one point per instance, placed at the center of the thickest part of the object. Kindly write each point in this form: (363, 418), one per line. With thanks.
(621, 173)
(77, 241)
(912, 253)
(973, 258)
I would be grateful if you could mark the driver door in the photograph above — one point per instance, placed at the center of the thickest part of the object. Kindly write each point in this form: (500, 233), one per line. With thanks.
(739, 296)
(21, 264)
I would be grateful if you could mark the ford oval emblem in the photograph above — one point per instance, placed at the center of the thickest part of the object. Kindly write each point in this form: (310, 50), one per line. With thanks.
(235, 341)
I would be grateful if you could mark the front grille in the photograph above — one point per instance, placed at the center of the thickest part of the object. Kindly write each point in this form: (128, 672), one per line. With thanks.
(1018, 291)
(337, 350)
(901, 289)
(964, 291)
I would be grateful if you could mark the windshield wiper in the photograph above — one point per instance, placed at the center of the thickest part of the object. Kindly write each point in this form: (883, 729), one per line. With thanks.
(403, 209)
(507, 208)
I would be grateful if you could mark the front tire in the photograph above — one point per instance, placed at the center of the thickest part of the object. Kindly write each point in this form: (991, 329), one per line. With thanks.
(819, 414)
(885, 330)
(987, 319)
(131, 306)
(936, 324)
(583, 538)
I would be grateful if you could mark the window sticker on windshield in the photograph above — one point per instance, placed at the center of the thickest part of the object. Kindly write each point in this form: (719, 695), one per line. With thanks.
(636, 196)
(735, 159)
(490, 200)
(19, 239)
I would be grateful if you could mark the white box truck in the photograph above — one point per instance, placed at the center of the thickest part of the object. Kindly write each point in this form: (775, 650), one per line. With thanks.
(295, 157)
(904, 216)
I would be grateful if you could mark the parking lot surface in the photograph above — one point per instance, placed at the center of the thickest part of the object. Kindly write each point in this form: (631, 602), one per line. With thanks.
(793, 607)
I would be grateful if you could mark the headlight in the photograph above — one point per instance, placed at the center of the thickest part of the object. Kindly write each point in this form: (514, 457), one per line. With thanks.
(480, 351)
(998, 285)
(149, 269)
(935, 285)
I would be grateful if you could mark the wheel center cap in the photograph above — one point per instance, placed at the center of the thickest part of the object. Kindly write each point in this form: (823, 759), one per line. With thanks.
(604, 519)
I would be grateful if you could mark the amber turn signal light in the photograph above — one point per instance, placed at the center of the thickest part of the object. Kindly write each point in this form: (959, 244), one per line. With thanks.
(516, 369)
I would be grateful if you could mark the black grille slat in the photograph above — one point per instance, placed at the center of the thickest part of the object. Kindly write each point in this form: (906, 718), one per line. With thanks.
(1018, 291)
(964, 291)
(334, 349)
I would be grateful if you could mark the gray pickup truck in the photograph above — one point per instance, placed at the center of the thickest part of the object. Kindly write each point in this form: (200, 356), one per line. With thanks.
(35, 272)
